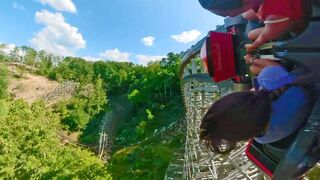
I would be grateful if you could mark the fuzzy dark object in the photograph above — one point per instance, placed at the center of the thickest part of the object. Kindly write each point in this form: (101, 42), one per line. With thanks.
(220, 146)
(236, 117)
(221, 4)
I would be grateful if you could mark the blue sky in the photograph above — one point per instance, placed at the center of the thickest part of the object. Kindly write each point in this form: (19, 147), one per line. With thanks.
(121, 30)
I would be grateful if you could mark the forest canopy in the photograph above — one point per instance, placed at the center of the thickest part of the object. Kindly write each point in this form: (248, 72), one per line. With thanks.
(143, 99)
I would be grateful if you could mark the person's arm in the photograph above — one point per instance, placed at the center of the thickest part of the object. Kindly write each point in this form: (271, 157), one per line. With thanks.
(258, 64)
(254, 34)
(250, 15)
(275, 27)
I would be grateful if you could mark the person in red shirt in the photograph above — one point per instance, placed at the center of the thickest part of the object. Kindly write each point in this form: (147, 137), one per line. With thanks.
(280, 17)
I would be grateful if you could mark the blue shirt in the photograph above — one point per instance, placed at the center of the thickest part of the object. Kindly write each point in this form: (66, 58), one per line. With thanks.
(287, 112)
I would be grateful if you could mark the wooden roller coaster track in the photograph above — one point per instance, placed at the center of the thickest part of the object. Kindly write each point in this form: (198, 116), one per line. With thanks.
(195, 160)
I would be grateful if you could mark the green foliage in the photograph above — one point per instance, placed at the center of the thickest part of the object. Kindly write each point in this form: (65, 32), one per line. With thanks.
(314, 173)
(135, 96)
(141, 128)
(76, 118)
(91, 133)
(75, 69)
(98, 99)
(30, 55)
(117, 76)
(3, 92)
(77, 112)
(145, 161)
(3, 82)
(143, 98)
(45, 66)
(149, 115)
(154, 92)
(30, 149)
(3, 108)
(4, 58)
(14, 55)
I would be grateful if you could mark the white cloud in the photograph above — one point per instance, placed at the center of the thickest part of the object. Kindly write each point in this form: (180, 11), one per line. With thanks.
(7, 49)
(148, 41)
(18, 6)
(92, 59)
(145, 59)
(187, 36)
(115, 55)
(57, 37)
(61, 5)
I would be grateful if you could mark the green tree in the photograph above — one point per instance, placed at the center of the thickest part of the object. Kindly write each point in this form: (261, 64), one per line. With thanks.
(155, 88)
(30, 55)
(14, 55)
(3, 82)
(78, 111)
(30, 149)
(3, 56)
(98, 99)
(75, 69)
(116, 75)
(18, 55)
(44, 63)
(3, 91)
(72, 113)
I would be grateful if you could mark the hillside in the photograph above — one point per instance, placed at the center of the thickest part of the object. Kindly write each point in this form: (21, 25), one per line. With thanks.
(142, 101)
(30, 87)
(30, 145)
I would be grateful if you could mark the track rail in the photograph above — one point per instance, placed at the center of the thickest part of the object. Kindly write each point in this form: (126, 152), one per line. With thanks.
(199, 92)
(104, 140)
(63, 90)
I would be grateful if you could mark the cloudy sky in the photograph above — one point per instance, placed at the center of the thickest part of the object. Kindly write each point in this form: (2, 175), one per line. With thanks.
(120, 30)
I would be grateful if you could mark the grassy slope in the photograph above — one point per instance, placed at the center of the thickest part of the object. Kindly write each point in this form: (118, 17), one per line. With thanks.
(144, 161)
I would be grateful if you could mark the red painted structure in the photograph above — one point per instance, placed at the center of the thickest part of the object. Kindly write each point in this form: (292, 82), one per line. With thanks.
(218, 54)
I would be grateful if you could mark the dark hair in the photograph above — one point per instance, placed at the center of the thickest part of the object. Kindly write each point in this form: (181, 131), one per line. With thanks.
(221, 4)
(237, 117)
(220, 146)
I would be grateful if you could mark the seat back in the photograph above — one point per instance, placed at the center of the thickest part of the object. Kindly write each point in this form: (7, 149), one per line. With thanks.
(303, 50)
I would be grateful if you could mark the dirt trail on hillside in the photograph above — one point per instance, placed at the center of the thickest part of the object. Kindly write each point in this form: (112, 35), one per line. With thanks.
(121, 108)
(31, 87)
